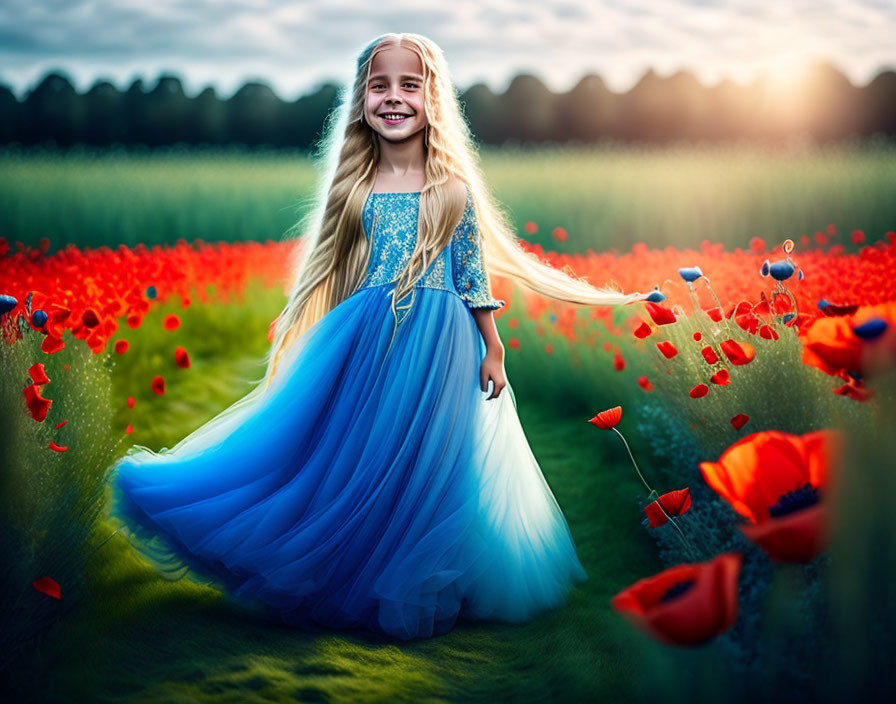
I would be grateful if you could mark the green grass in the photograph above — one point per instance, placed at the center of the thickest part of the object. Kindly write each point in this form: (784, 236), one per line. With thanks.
(138, 638)
(605, 197)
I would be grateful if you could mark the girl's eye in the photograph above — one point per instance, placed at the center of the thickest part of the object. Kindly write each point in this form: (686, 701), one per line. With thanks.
(383, 85)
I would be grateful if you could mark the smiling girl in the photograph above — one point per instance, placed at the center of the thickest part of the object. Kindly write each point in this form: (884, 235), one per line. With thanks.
(373, 479)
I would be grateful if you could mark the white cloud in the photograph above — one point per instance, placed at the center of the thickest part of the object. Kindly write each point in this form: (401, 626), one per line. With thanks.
(296, 45)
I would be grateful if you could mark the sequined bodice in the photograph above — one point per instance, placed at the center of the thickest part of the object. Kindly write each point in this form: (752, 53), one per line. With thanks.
(392, 220)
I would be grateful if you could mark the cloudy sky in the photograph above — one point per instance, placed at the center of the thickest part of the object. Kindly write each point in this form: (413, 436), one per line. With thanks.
(296, 45)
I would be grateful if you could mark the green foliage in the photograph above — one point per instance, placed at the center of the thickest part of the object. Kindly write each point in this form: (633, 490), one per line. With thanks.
(608, 196)
(49, 500)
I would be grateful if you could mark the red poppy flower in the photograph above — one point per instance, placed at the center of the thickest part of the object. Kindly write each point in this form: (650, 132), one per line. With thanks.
(513, 343)
(129, 429)
(857, 392)
(171, 322)
(857, 237)
(830, 345)
(38, 374)
(709, 354)
(699, 391)
(618, 361)
(37, 404)
(158, 384)
(775, 480)
(739, 420)
(51, 344)
(609, 419)
(738, 352)
(643, 330)
(721, 377)
(181, 358)
(121, 346)
(667, 348)
(674, 503)
(686, 604)
(644, 383)
(715, 314)
(559, 234)
(767, 332)
(530, 227)
(48, 586)
(659, 314)
(58, 448)
(698, 336)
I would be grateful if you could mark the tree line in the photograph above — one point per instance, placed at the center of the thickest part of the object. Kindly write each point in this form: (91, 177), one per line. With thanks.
(824, 105)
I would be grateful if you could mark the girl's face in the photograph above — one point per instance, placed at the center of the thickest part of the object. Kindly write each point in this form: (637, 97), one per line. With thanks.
(394, 98)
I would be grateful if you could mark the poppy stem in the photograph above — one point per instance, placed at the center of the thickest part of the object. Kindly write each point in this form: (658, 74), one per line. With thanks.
(690, 548)
(651, 491)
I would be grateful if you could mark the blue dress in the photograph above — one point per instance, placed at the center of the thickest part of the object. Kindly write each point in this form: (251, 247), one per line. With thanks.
(372, 486)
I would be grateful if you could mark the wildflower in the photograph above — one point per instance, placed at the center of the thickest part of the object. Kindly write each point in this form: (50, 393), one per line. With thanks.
(643, 330)
(829, 308)
(667, 348)
(121, 346)
(38, 374)
(699, 391)
(738, 352)
(686, 604)
(171, 322)
(776, 481)
(618, 361)
(37, 404)
(609, 419)
(181, 358)
(739, 420)
(48, 586)
(644, 383)
(690, 273)
(659, 314)
(7, 303)
(656, 295)
(673, 503)
(721, 377)
(709, 354)
(158, 385)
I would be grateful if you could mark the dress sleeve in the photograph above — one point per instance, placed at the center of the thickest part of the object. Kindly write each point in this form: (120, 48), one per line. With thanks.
(468, 269)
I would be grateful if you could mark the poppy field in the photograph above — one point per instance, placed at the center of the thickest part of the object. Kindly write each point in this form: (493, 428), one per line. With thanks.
(723, 454)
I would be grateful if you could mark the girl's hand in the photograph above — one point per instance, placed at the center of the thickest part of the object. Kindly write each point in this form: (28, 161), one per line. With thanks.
(493, 368)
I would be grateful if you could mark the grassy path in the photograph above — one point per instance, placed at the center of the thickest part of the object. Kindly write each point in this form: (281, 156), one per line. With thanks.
(139, 638)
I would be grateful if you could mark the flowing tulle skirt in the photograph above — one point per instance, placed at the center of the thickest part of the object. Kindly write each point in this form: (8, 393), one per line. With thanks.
(366, 489)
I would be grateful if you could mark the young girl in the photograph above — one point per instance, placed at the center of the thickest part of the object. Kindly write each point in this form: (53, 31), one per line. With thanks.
(378, 477)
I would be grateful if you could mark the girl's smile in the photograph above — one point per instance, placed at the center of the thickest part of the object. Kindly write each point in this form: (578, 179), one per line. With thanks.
(394, 106)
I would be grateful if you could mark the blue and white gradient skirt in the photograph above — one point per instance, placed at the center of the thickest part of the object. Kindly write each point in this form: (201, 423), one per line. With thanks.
(365, 489)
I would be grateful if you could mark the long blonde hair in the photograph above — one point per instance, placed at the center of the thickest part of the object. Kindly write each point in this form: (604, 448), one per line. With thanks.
(335, 254)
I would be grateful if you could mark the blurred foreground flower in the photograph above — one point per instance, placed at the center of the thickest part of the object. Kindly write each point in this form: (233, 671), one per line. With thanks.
(685, 604)
(777, 480)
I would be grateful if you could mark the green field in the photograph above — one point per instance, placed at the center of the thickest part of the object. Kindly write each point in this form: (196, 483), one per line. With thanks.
(605, 197)
(128, 635)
